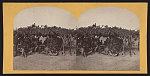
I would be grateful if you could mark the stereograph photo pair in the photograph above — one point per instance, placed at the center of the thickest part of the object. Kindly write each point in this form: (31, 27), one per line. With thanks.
(68, 38)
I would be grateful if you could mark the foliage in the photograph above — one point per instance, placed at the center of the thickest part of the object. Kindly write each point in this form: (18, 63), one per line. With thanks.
(90, 30)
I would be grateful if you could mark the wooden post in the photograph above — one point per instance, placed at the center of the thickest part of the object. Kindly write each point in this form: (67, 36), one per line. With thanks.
(69, 41)
(63, 45)
(130, 45)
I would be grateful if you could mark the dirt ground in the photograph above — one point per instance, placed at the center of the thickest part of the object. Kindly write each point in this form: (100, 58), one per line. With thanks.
(97, 62)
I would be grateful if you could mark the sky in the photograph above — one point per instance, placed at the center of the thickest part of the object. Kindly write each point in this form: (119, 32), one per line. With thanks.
(111, 16)
(52, 16)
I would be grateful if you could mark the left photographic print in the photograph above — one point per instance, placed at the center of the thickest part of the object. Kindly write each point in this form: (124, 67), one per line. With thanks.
(42, 36)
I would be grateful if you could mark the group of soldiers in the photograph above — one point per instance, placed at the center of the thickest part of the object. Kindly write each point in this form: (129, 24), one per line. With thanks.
(78, 44)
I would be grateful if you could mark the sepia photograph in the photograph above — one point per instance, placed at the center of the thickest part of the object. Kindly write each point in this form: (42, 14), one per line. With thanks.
(53, 39)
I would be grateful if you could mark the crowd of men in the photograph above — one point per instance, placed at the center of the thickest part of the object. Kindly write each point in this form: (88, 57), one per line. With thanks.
(78, 44)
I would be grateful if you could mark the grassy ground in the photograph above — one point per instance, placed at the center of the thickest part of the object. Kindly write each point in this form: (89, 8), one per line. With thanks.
(96, 61)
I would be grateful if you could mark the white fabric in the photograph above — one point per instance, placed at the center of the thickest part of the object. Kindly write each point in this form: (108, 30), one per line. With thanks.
(103, 39)
(42, 39)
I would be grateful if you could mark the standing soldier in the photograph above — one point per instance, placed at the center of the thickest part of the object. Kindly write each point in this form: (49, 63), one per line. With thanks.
(23, 53)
